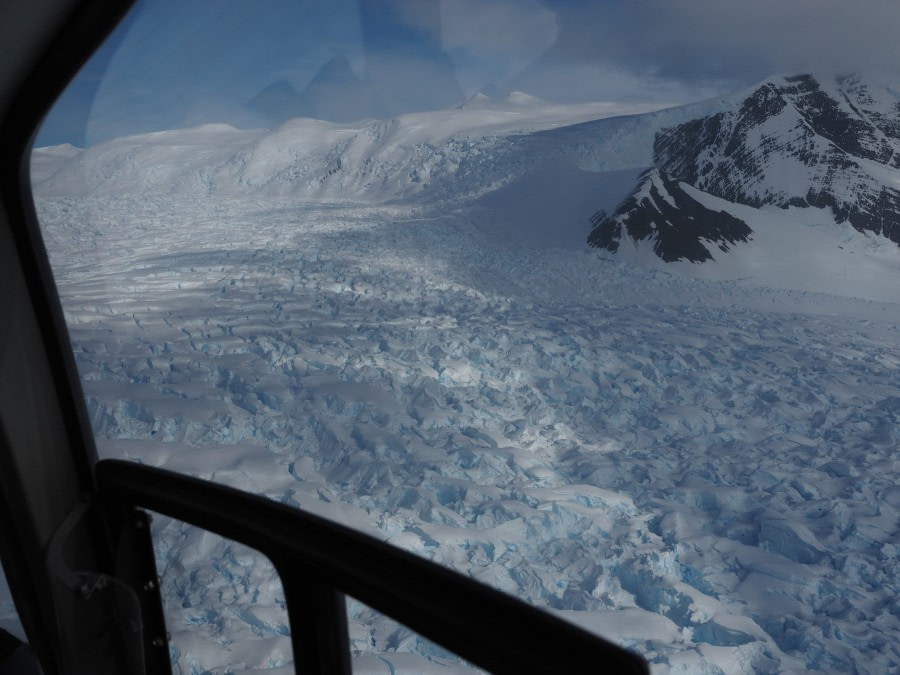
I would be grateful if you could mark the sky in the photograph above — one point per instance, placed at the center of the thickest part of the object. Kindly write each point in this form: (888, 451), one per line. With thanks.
(256, 63)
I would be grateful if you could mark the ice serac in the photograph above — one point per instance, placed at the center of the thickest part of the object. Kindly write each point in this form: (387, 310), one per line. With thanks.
(800, 141)
(661, 211)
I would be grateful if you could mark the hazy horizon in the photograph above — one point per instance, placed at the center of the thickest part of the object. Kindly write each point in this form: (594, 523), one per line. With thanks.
(175, 65)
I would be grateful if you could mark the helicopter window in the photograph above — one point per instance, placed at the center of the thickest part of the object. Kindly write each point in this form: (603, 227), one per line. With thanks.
(581, 299)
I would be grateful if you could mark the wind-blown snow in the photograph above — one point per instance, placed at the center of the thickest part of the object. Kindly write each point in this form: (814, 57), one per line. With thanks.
(699, 467)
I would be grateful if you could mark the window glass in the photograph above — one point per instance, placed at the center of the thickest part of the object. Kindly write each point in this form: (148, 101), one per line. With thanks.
(224, 604)
(9, 618)
(380, 645)
(594, 302)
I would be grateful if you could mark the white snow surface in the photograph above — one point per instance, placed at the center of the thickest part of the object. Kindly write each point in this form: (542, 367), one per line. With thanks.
(801, 249)
(374, 160)
(454, 154)
(697, 462)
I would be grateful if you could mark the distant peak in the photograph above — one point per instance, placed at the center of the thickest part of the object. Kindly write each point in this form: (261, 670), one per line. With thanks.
(475, 101)
(63, 150)
(520, 98)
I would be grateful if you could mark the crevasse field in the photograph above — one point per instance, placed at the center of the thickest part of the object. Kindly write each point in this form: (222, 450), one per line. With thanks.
(703, 471)
(699, 463)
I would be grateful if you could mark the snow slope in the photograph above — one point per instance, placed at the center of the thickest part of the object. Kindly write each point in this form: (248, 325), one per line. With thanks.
(802, 249)
(457, 152)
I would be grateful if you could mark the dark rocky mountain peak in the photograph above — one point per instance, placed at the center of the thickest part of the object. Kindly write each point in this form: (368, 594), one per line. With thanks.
(797, 141)
(678, 226)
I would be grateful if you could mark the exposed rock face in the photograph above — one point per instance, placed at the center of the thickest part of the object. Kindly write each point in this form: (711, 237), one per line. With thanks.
(661, 210)
(794, 141)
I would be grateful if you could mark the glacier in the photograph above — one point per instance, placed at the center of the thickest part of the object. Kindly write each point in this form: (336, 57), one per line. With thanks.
(696, 461)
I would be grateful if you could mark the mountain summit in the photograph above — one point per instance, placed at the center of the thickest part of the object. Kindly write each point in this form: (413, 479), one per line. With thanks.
(797, 142)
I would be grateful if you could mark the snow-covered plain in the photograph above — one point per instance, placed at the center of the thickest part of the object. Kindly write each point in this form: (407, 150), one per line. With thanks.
(698, 462)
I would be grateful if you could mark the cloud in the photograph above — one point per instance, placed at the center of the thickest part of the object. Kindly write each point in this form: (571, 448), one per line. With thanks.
(583, 82)
(728, 41)
(189, 63)
(491, 41)
(510, 27)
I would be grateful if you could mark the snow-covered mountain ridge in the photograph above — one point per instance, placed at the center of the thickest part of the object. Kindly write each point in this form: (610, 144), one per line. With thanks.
(462, 152)
(661, 209)
(799, 141)
(796, 164)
